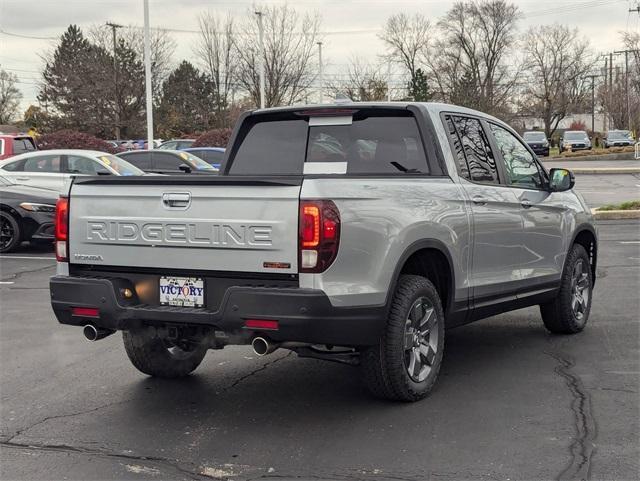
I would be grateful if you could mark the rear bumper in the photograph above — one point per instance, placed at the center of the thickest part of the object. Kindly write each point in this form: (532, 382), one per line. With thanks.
(303, 315)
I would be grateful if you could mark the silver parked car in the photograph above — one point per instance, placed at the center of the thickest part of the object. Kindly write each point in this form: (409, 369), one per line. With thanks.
(575, 140)
(52, 169)
(618, 138)
(354, 233)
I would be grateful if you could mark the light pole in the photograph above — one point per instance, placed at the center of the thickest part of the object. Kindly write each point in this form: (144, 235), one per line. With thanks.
(320, 74)
(114, 27)
(147, 75)
(261, 34)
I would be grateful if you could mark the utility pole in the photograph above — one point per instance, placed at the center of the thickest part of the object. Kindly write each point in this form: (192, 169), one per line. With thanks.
(610, 89)
(605, 97)
(114, 27)
(147, 75)
(320, 74)
(261, 33)
(593, 103)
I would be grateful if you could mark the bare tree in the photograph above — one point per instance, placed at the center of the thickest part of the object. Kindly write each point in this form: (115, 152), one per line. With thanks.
(362, 82)
(408, 40)
(290, 54)
(10, 97)
(131, 38)
(214, 51)
(557, 61)
(470, 61)
(631, 41)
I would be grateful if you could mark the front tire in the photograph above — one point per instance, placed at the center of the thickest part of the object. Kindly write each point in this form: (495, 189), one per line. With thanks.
(159, 357)
(569, 311)
(404, 365)
(10, 234)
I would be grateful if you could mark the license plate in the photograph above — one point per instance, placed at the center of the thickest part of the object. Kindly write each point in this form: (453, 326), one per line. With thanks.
(182, 291)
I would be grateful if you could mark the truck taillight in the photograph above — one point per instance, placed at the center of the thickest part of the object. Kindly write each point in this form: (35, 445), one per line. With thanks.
(62, 229)
(319, 235)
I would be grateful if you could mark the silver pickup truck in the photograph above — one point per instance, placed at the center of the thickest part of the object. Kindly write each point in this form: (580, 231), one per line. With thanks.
(352, 232)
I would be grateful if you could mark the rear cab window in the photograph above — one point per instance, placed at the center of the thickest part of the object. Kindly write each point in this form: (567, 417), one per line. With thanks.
(22, 145)
(359, 142)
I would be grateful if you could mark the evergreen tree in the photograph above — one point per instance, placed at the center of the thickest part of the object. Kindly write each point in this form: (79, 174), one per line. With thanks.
(419, 87)
(186, 102)
(74, 89)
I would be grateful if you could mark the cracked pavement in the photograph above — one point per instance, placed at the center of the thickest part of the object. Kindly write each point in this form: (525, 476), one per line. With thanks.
(512, 401)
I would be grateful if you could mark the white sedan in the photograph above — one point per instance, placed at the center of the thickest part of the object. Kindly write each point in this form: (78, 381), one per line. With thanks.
(52, 169)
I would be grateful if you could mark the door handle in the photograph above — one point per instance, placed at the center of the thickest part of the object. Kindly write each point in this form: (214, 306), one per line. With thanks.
(177, 200)
(478, 200)
(23, 178)
(525, 203)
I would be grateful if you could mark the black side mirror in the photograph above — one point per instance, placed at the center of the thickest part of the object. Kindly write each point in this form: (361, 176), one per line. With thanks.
(185, 168)
(103, 172)
(561, 180)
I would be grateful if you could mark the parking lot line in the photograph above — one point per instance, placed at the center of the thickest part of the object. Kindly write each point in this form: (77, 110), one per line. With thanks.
(29, 257)
(629, 242)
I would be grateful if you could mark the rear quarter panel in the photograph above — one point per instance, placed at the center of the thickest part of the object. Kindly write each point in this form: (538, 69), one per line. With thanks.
(380, 219)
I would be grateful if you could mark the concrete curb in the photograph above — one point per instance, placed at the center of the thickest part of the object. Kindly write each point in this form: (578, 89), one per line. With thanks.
(605, 170)
(615, 214)
(612, 157)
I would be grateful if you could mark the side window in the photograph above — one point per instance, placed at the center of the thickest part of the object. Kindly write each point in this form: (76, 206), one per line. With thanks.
(458, 151)
(141, 160)
(213, 157)
(16, 166)
(166, 161)
(480, 159)
(520, 166)
(43, 163)
(82, 165)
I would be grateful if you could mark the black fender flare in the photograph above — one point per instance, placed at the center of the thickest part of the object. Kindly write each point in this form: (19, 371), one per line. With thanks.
(585, 226)
(412, 249)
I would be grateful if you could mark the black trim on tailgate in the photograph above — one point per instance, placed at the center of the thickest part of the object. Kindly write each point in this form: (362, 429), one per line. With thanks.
(96, 270)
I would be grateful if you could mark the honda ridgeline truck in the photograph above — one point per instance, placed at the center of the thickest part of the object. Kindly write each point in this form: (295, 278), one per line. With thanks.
(352, 232)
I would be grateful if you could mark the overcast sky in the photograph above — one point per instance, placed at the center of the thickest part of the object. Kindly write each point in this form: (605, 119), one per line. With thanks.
(350, 26)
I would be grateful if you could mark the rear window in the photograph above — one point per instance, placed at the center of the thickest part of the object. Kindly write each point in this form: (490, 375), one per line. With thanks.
(272, 148)
(141, 160)
(377, 143)
(23, 144)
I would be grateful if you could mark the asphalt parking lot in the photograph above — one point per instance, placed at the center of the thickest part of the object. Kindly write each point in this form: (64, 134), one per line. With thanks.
(512, 401)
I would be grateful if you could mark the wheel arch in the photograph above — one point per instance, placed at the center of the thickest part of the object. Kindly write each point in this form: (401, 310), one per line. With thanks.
(586, 236)
(424, 257)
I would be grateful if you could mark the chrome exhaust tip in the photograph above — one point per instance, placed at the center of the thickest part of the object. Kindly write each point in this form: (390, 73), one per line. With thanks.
(93, 333)
(262, 346)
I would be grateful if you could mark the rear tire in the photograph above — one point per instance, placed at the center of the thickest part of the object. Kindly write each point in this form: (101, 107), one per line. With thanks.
(157, 357)
(569, 311)
(404, 365)
(10, 234)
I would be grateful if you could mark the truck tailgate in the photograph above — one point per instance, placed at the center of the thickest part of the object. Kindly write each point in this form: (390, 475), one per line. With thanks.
(217, 224)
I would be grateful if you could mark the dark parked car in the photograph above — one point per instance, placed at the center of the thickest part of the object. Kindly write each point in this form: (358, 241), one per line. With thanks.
(167, 161)
(538, 142)
(176, 144)
(618, 138)
(26, 214)
(211, 155)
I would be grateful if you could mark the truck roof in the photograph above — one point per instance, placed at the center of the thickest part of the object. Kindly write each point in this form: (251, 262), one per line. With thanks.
(433, 107)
